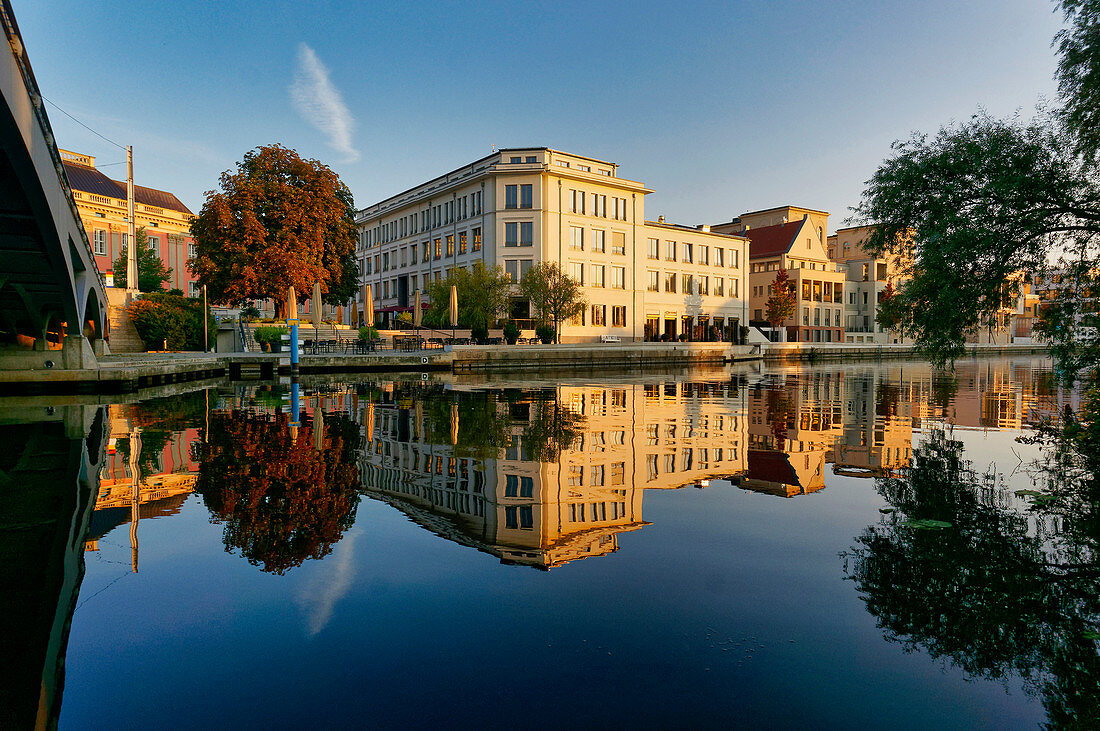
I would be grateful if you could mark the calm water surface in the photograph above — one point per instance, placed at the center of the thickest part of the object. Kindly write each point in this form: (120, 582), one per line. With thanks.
(708, 549)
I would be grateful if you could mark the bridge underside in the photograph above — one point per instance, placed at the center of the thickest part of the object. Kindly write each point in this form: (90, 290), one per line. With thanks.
(49, 287)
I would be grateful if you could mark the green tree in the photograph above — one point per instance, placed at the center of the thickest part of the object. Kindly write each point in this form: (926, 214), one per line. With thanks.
(151, 271)
(553, 294)
(277, 221)
(483, 294)
(780, 305)
(971, 209)
(1078, 73)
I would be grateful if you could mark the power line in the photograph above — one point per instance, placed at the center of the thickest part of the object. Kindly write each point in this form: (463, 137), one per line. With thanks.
(121, 147)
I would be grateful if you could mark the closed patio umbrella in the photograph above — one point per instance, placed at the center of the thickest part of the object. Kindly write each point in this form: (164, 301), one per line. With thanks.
(291, 305)
(354, 314)
(368, 307)
(418, 316)
(315, 308)
(454, 309)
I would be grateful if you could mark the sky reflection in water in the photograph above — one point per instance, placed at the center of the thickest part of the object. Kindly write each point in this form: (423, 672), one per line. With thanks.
(653, 550)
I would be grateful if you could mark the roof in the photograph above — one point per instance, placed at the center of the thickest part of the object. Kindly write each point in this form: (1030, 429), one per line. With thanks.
(691, 229)
(780, 208)
(771, 467)
(89, 180)
(772, 240)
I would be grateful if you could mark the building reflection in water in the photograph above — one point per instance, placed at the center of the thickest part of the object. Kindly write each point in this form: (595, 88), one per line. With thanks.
(545, 476)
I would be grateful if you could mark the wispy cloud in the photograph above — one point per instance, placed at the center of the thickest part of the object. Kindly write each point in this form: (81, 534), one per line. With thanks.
(320, 103)
(329, 585)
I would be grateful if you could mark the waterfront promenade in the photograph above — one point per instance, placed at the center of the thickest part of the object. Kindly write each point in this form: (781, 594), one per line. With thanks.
(128, 373)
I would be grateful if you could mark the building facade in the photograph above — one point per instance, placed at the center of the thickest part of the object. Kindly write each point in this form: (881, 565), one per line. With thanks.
(867, 278)
(518, 207)
(101, 203)
(796, 244)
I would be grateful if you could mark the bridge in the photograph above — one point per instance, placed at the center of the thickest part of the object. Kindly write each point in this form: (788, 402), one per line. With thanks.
(52, 297)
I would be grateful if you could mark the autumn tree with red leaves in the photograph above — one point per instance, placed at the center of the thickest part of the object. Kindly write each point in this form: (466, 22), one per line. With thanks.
(277, 221)
(781, 304)
(280, 500)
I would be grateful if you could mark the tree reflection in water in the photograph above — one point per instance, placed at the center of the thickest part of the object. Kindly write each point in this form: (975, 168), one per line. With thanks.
(1003, 591)
(282, 501)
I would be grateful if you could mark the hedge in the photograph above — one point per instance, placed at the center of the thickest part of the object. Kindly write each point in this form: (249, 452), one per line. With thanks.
(164, 319)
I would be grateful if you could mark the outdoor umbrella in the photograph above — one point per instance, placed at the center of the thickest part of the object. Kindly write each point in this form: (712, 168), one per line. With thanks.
(354, 314)
(291, 305)
(368, 307)
(315, 308)
(454, 309)
(417, 314)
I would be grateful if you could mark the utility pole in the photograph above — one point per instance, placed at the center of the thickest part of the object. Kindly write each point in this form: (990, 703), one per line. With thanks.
(131, 249)
(205, 323)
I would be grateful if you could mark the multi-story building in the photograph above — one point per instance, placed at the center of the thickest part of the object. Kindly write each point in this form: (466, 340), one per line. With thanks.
(867, 278)
(793, 239)
(101, 203)
(518, 207)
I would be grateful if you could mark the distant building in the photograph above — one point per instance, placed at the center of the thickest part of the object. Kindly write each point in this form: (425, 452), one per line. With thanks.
(518, 207)
(867, 278)
(101, 203)
(793, 238)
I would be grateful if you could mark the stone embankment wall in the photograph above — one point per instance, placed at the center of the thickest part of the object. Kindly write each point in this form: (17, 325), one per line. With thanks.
(815, 352)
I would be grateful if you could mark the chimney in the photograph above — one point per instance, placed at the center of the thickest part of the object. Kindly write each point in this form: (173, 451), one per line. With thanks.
(660, 219)
(704, 227)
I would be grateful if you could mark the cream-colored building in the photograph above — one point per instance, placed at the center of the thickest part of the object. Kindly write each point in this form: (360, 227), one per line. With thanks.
(793, 238)
(518, 207)
(867, 279)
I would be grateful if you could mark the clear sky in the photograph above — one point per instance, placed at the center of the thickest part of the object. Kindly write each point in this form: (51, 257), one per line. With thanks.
(719, 107)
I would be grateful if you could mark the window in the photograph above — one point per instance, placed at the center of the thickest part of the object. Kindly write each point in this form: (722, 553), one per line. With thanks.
(576, 238)
(525, 196)
(718, 257)
(618, 277)
(450, 245)
(511, 195)
(704, 285)
(597, 277)
(599, 315)
(576, 271)
(511, 269)
(530, 158)
(733, 258)
(462, 241)
(704, 255)
(193, 289)
(511, 234)
(670, 251)
(477, 239)
(653, 281)
(99, 244)
(687, 284)
(618, 316)
(651, 249)
(526, 233)
(516, 160)
(427, 251)
(563, 163)
(670, 282)
(602, 211)
(438, 248)
(598, 241)
(866, 271)
(618, 243)
(687, 253)
(154, 244)
(719, 285)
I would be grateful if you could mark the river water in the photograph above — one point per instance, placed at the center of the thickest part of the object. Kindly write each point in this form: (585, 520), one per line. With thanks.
(841, 546)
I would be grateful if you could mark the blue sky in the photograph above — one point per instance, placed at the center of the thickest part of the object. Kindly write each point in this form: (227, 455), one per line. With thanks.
(719, 107)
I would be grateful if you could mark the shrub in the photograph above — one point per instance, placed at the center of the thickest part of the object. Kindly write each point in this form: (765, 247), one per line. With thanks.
(176, 291)
(368, 333)
(250, 313)
(269, 335)
(479, 333)
(511, 332)
(545, 333)
(744, 334)
(163, 319)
